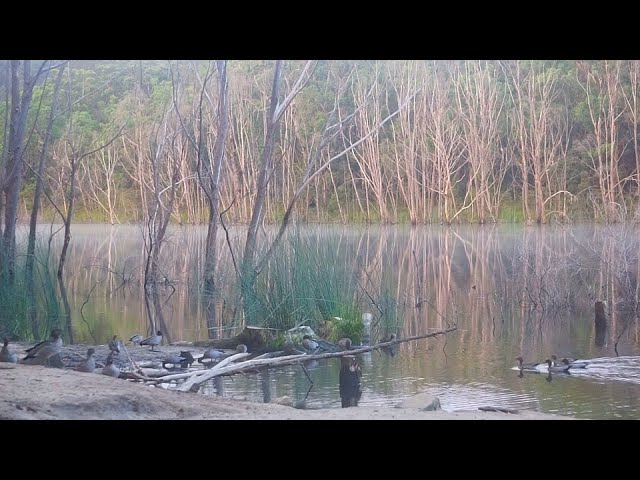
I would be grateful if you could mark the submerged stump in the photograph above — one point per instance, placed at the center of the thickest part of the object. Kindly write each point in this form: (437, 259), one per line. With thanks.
(600, 323)
(350, 374)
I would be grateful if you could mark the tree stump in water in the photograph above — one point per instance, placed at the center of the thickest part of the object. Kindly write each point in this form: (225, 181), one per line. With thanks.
(600, 323)
(350, 373)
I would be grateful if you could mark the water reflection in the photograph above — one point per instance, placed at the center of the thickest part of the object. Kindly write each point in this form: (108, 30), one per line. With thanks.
(511, 290)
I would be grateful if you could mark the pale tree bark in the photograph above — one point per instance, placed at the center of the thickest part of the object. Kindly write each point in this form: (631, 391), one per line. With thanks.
(210, 163)
(633, 108)
(541, 127)
(443, 132)
(102, 183)
(479, 107)
(248, 270)
(369, 155)
(602, 86)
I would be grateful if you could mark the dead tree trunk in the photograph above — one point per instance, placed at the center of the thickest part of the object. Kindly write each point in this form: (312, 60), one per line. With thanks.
(350, 374)
(31, 246)
(600, 323)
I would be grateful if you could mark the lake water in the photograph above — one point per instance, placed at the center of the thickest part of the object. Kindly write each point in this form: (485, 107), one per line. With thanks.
(511, 290)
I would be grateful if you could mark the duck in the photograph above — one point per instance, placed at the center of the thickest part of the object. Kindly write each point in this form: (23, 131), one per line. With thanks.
(7, 355)
(136, 339)
(174, 361)
(114, 345)
(211, 354)
(309, 344)
(187, 359)
(388, 338)
(345, 343)
(43, 351)
(557, 368)
(569, 361)
(529, 367)
(110, 369)
(241, 348)
(89, 364)
(290, 349)
(153, 340)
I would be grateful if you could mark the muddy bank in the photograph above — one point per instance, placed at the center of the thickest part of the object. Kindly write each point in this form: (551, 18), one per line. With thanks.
(36, 392)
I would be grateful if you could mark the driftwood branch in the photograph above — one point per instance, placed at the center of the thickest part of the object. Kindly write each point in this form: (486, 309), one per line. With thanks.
(197, 378)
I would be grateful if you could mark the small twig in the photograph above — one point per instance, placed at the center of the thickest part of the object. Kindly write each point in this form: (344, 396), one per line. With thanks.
(82, 314)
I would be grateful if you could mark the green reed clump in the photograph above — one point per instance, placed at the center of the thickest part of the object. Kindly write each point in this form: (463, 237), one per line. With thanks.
(309, 281)
(16, 319)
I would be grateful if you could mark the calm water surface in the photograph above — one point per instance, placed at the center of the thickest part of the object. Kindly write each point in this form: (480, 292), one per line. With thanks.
(511, 290)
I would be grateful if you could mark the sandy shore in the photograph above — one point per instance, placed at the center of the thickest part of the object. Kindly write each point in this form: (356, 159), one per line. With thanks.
(35, 392)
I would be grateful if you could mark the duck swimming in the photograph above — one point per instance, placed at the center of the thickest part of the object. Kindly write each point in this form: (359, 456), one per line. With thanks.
(569, 361)
(559, 368)
(528, 367)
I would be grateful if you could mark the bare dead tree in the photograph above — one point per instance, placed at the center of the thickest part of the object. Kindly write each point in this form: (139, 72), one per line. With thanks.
(44, 155)
(601, 85)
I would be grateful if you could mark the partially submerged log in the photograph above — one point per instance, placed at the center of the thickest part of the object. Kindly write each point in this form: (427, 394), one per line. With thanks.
(255, 338)
(350, 374)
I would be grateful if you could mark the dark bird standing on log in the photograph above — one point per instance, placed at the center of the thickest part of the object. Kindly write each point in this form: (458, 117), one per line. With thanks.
(114, 345)
(388, 350)
(43, 351)
(153, 340)
(388, 338)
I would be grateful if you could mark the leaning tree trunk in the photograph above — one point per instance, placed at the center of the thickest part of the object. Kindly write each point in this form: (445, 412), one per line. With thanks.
(30, 285)
(248, 273)
(13, 180)
(212, 191)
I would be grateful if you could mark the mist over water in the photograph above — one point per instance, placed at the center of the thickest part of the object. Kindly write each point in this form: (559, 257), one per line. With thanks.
(511, 290)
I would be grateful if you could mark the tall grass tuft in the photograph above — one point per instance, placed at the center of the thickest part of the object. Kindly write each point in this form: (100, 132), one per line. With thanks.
(309, 281)
(15, 321)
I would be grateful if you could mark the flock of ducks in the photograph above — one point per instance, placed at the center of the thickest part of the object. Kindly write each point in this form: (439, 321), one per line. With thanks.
(42, 353)
(552, 364)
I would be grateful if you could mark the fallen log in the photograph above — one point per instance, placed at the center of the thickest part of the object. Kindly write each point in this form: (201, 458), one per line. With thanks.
(198, 377)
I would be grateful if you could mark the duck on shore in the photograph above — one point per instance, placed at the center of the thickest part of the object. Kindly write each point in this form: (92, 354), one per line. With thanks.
(40, 353)
(110, 369)
(89, 364)
(153, 340)
(6, 355)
